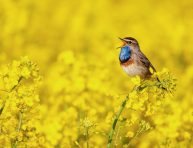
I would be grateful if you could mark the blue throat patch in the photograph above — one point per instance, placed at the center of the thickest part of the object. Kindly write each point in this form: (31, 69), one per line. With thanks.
(125, 54)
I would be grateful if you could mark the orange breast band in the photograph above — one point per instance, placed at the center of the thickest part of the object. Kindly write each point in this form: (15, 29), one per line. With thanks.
(129, 62)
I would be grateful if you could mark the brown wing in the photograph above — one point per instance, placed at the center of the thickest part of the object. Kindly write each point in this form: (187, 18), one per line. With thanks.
(144, 60)
(148, 64)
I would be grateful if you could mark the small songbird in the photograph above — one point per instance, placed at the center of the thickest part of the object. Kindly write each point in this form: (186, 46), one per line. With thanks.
(133, 61)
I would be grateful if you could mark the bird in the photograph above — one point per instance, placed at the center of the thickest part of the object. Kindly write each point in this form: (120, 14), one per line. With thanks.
(133, 60)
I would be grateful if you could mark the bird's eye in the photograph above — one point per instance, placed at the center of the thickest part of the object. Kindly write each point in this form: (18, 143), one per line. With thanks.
(129, 42)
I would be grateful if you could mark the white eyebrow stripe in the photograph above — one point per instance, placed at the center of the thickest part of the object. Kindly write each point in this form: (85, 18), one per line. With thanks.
(129, 40)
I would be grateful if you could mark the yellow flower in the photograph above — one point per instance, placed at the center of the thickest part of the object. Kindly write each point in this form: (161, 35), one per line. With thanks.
(130, 134)
(136, 80)
(82, 82)
(25, 72)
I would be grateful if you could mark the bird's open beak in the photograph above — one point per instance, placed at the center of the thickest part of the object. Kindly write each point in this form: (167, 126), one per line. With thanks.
(119, 47)
(123, 43)
(122, 39)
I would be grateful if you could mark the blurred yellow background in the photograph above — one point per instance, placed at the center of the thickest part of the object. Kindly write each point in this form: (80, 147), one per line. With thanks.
(74, 45)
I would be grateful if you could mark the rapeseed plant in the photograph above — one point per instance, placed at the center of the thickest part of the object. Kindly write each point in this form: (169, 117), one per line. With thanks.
(69, 89)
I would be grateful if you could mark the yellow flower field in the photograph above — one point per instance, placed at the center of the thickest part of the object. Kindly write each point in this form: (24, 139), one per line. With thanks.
(61, 84)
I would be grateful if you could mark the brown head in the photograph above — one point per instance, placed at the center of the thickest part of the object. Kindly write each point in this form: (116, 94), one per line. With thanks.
(130, 41)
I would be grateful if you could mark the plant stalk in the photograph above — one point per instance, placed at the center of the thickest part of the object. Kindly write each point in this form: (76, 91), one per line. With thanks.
(112, 132)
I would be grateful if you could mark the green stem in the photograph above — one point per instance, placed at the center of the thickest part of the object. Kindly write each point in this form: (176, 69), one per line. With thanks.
(20, 121)
(3, 105)
(112, 132)
(87, 138)
(14, 144)
(1, 109)
(20, 78)
(118, 114)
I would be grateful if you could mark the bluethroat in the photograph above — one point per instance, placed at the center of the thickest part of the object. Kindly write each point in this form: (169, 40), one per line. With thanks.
(133, 61)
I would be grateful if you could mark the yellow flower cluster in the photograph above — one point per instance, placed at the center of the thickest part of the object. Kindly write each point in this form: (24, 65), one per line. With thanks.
(19, 116)
(81, 97)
